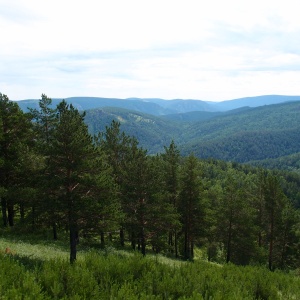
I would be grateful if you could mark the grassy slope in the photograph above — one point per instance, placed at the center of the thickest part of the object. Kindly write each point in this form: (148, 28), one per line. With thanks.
(43, 272)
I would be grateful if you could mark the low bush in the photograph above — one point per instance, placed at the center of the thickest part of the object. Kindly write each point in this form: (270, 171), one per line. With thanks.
(101, 275)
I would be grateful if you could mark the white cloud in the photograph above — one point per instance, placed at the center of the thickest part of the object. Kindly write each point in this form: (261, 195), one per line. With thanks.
(210, 50)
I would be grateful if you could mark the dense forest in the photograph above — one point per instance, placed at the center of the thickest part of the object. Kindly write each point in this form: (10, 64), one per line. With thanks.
(242, 135)
(55, 174)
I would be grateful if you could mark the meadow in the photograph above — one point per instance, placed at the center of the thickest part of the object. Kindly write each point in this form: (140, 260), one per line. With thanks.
(36, 267)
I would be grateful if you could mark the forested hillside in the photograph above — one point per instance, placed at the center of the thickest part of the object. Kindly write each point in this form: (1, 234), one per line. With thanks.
(289, 162)
(240, 135)
(56, 175)
(153, 133)
(255, 134)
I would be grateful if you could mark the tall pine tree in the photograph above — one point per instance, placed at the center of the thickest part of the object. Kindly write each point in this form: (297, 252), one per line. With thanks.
(191, 205)
(76, 172)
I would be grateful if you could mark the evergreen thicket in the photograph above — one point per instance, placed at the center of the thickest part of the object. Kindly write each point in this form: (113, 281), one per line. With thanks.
(105, 188)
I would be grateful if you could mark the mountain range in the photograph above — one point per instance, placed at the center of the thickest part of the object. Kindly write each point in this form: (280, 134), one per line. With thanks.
(245, 130)
(160, 107)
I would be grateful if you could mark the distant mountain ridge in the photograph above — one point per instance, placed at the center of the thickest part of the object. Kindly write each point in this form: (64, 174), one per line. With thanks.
(159, 107)
(254, 101)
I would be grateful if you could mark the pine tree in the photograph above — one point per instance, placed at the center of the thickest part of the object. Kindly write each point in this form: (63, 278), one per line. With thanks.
(235, 219)
(162, 217)
(117, 145)
(15, 134)
(277, 208)
(45, 121)
(191, 205)
(137, 183)
(171, 159)
(76, 172)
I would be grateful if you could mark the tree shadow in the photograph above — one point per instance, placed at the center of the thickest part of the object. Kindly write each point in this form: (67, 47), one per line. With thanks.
(30, 263)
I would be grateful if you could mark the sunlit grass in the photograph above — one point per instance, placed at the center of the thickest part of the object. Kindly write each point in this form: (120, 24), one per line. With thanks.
(43, 252)
(32, 246)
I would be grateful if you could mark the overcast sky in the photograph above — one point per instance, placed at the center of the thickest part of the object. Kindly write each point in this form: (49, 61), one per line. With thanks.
(209, 50)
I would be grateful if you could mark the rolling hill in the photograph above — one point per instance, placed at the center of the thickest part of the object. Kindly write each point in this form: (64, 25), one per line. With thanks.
(153, 133)
(254, 134)
(242, 134)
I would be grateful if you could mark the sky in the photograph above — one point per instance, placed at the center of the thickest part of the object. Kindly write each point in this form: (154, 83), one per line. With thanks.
(207, 50)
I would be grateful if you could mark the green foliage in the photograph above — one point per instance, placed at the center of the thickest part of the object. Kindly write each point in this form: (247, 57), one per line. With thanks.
(17, 282)
(15, 140)
(289, 163)
(111, 276)
(191, 206)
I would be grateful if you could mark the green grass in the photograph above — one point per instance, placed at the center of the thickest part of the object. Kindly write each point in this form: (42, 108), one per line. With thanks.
(33, 246)
(39, 268)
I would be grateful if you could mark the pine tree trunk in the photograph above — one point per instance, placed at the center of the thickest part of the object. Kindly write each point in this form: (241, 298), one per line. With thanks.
(3, 208)
(102, 239)
(22, 212)
(143, 242)
(271, 241)
(283, 247)
(10, 213)
(72, 225)
(73, 238)
(54, 230)
(176, 244)
(33, 217)
(133, 242)
(228, 255)
(170, 241)
(186, 244)
(122, 239)
(192, 250)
